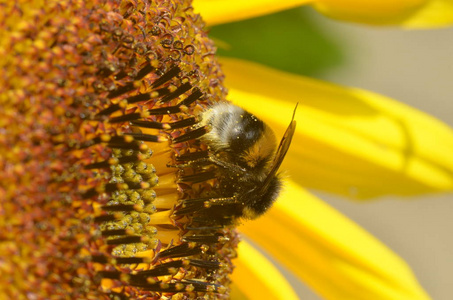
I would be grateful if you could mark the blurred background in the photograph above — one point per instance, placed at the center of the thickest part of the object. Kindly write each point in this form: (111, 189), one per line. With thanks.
(414, 67)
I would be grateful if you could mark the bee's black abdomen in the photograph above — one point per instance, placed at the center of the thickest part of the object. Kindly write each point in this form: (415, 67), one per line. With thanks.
(260, 203)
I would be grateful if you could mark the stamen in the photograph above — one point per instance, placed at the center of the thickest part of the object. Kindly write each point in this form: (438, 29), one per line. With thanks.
(183, 250)
(122, 90)
(159, 270)
(147, 137)
(110, 162)
(205, 239)
(132, 239)
(190, 206)
(190, 135)
(123, 207)
(196, 94)
(167, 76)
(125, 118)
(177, 287)
(198, 177)
(108, 218)
(178, 92)
(164, 110)
(102, 259)
(144, 71)
(113, 232)
(158, 125)
(150, 124)
(138, 98)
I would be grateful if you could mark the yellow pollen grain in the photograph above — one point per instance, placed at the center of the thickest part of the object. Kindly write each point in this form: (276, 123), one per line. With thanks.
(162, 139)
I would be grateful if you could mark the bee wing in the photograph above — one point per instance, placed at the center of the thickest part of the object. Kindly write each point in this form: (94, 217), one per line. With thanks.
(281, 151)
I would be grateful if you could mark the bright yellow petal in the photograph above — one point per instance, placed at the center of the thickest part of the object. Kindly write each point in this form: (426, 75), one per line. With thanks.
(408, 13)
(223, 11)
(257, 278)
(348, 141)
(334, 256)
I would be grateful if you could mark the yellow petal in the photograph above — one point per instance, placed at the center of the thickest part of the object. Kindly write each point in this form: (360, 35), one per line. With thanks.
(408, 13)
(334, 256)
(223, 11)
(348, 141)
(257, 278)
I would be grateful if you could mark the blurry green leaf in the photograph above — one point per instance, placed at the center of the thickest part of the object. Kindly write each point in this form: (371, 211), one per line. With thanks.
(287, 40)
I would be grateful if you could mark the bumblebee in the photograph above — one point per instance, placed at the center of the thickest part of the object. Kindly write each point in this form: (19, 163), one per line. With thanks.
(245, 152)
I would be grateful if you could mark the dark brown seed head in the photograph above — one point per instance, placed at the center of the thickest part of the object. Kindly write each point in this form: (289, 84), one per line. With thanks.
(96, 98)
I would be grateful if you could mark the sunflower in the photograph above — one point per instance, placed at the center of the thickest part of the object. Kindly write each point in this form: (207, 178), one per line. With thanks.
(100, 198)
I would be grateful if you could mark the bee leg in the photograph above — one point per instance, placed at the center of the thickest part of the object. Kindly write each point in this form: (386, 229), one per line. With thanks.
(191, 159)
(190, 206)
(165, 126)
(193, 163)
(221, 201)
(224, 164)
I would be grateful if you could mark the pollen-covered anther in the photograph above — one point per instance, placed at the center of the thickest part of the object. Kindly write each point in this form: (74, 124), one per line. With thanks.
(185, 262)
(143, 147)
(110, 217)
(204, 248)
(128, 138)
(123, 207)
(145, 185)
(164, 285)
(151, 280)
(116, 232)
(221, 289)
(162, 138)
(173, 271)
(183, 108)
(113, 161)
(207, 204)
(223, 239)
(125, 277)
(189, 288)
(210, 288)
(179, 286)
(123, 103)
(105, 137)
